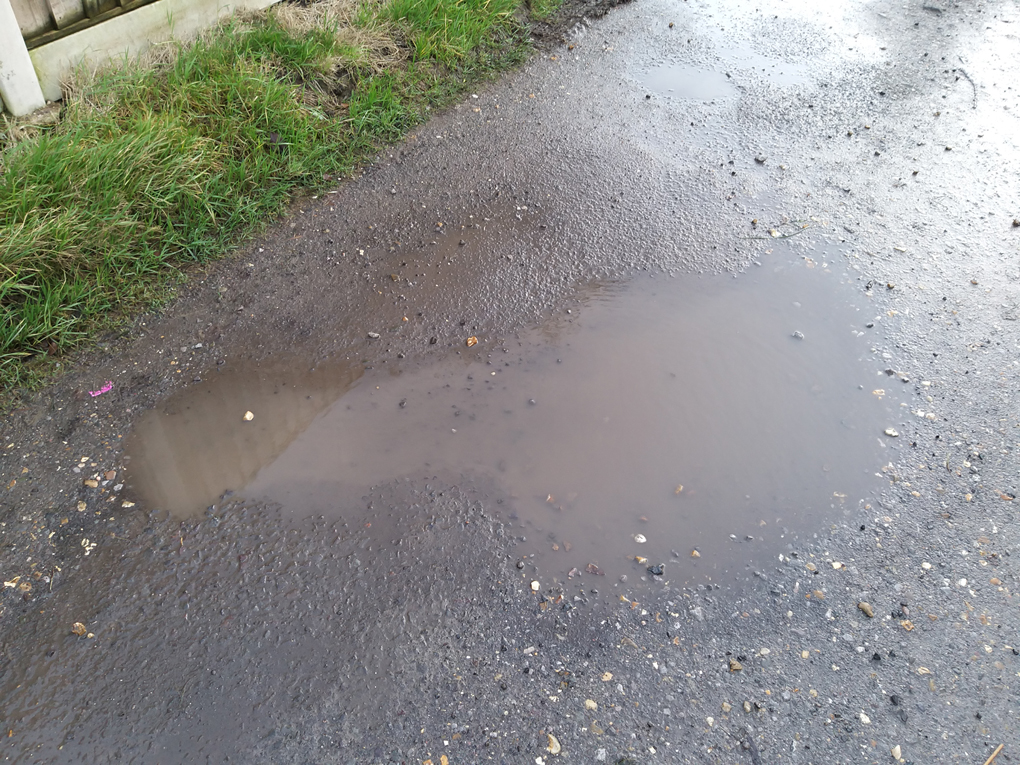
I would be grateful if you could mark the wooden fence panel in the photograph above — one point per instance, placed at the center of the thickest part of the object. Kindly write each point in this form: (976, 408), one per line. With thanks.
(33, 16)
(95, 7)
(66, 12)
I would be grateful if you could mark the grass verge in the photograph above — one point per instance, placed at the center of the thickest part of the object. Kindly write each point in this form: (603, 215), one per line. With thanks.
(173, 160)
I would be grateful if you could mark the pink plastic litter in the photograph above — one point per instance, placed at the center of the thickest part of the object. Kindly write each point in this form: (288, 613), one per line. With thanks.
(101, 391)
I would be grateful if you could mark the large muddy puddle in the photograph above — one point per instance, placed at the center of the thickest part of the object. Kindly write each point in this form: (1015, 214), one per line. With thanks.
(690, 422)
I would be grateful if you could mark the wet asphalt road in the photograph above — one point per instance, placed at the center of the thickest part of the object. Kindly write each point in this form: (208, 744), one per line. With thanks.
(876, 142)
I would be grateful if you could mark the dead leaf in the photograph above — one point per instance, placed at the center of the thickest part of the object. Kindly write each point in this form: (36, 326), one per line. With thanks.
(472, 341)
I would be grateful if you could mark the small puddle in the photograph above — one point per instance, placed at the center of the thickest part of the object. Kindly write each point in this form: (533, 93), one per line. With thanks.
(684, 81)
(777, 71)
(738, 64)
(682, 410)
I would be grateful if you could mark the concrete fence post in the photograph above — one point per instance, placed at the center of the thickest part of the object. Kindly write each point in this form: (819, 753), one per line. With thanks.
(19, 85)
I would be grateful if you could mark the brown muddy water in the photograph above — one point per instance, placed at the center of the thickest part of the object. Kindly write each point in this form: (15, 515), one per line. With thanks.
(709, 414)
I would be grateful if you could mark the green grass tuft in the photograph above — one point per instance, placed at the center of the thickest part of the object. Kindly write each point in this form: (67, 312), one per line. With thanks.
(448, 30)
(542, 10)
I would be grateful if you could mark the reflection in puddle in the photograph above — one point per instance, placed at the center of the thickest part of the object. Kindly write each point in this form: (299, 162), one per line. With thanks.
(590, 425)
(198, 445)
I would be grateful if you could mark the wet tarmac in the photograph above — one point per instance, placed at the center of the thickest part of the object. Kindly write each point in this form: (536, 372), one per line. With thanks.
(696, 413)
(364, 593)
